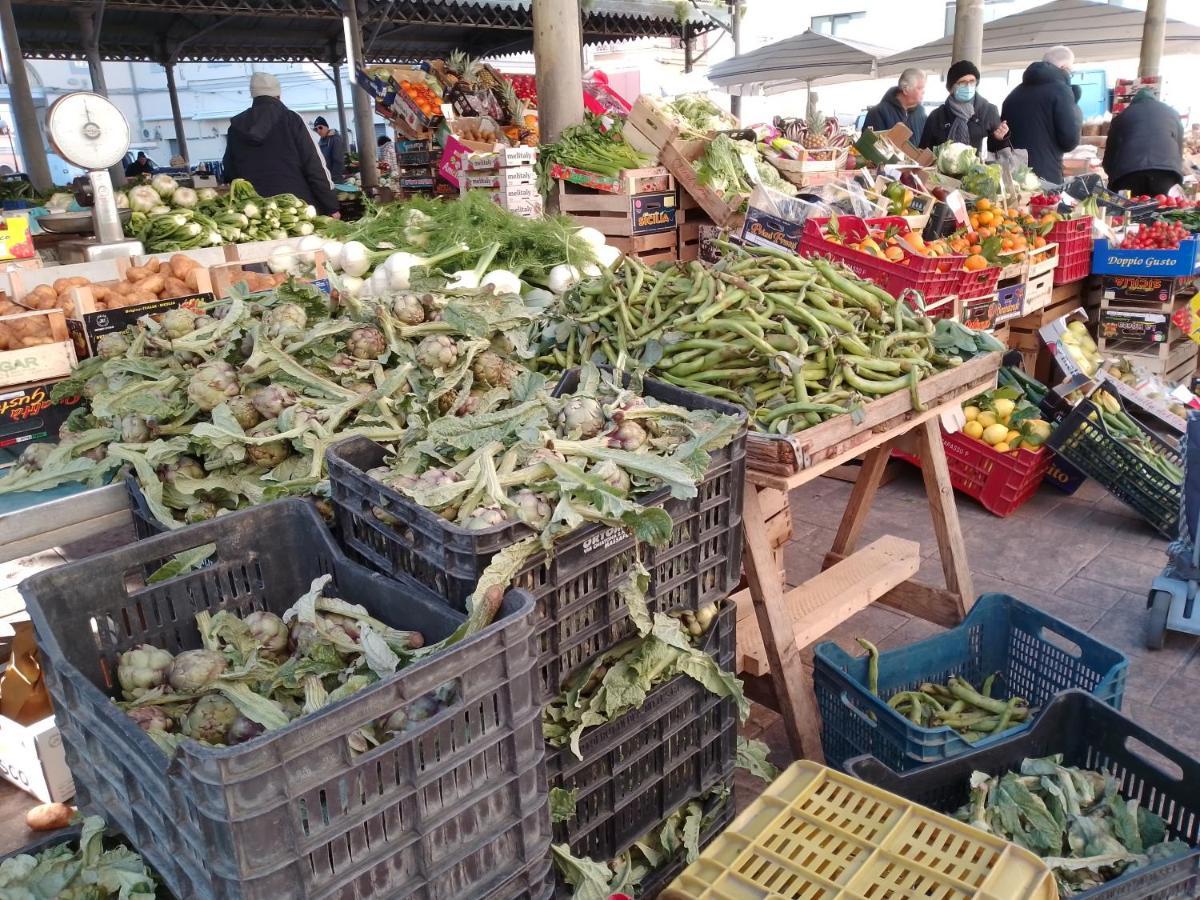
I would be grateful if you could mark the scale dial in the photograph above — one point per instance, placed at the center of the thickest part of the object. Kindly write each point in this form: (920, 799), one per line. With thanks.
(87, 130)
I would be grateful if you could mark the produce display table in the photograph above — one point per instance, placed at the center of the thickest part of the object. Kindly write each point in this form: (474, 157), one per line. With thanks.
(33, 522)
(775, 625)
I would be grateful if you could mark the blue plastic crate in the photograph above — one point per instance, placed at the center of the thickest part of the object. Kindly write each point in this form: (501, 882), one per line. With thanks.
(1031, 651)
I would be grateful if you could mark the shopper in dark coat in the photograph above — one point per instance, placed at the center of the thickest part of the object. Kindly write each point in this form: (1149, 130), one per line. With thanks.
(1144, 150)
(333, 149)
(901, 104)
(1043, 114)
(965, 117)
(269, 146)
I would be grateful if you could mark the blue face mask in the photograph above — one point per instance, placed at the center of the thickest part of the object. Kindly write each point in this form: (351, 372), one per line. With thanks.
(964, 92)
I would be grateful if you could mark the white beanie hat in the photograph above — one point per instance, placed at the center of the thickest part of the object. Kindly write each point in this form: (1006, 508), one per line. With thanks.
(264, 84)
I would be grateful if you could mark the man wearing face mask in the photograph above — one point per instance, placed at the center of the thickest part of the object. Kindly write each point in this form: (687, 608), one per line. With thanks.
(965, 117)
(1044, 115)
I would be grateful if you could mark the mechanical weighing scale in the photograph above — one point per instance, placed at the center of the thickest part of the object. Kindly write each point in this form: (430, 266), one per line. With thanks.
(88, 131)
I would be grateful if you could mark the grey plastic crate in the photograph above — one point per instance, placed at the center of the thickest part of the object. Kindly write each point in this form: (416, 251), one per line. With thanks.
(453, 808)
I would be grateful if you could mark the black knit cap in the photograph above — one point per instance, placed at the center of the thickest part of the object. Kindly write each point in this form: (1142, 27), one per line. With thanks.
(959, 69)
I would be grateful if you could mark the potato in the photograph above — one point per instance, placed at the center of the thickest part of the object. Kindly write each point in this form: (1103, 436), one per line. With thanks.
(100, 291)
(122, 288)
(49, 816)
(192, 279)
(180, 265)
(139, 296)
(151, 285)
(174, 288)
(60, 285)
(134, 274)
(8, 308)
(153, 264)
(37, 340)
(41, 297)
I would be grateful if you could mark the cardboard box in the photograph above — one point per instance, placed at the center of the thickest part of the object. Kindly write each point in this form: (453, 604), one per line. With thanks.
(501, 158)
(16, 240)
(42, 362)
(32, 758)
(1127, 325)
(1051, 333)
(1145, 288)
(28, 415)
(454, 149)
(654, 212)
(1183, 261)
(765, 230)
(498, 179)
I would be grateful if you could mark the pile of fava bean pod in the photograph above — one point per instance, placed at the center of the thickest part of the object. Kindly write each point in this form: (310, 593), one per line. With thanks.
(795, 341)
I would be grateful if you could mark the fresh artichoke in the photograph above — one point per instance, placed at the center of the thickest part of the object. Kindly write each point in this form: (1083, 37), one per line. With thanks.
(151, 718)
(177, 323)
(34, 456)
(242, 730)
(267, 455)
(110, 346)
(135, 429)
(285, 320)
(485, 517)
(200, 511)
(183, 467)
(437, 351)
(407, 309)
(142, 669)
(629, 435)
(95, 386)
(243, 410)
(492, 370)
(532, 508)
(193, 670)
(612, 474)
(366, 342)
(270, 633)
(273, 399)
(212, 384)
(581, 415)
(210, 719)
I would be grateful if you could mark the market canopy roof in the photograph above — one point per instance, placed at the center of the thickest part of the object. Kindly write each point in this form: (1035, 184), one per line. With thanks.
(299, 30)
(1097, 32)
(797, 62)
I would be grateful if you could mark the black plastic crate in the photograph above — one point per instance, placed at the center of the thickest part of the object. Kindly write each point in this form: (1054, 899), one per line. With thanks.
(145, 525)
(638, 768)
(580, 611)
(71, 834)
(455, 807)
(1088, 445)
(1091, 735)
(653, 883)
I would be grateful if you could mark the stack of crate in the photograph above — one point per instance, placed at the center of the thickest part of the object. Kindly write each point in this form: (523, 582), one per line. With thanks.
(508, 175)
(1135, 321)
(416, 167)
(637, 211)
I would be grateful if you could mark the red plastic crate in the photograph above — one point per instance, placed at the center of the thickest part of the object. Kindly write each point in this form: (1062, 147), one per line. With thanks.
(978, 284)
(1001, 482)
(1074, 239)
(918, 273)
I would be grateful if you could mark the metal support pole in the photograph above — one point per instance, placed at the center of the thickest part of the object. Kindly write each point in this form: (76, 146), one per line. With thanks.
(735, 32)
(176, 113)
(1154, 33)
(29, 129)
(90, 39)
(364, 105)
(557, 45)
(968, 31)
(341, 101)
(688, 49)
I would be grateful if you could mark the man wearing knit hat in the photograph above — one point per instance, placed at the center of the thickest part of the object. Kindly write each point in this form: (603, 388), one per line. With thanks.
(269, 146)
(1044, 113)
(966, 117)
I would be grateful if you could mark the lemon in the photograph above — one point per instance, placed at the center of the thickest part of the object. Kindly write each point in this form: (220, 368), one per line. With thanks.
(987, 419)
(971, 412)
(1003, 407)
(995, 434)
(1014, 438)
(1001, 447)
(973, 430)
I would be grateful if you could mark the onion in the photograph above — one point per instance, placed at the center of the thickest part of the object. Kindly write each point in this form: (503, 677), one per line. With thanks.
(562, 277)
(592, 237)
(281, 260)
(308, 247)
(607, 255)
(333, 253)
(355, 259)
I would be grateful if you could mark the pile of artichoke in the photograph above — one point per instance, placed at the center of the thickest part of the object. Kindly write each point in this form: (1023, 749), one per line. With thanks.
(257, 673)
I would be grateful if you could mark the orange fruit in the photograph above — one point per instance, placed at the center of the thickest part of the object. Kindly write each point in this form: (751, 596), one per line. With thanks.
(1039, 241)
(986, 218)
(1006, 244)
(983, 204)
(975, 263)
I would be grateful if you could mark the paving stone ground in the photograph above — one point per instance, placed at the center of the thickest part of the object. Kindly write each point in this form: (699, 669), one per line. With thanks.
(1084, 558)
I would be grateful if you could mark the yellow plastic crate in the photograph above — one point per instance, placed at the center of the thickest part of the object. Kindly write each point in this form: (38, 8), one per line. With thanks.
(816, 834)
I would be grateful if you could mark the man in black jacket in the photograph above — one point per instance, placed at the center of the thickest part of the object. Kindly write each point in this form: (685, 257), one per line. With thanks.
(269, 146)
(1144, 150)
(1043, 116)
(901, 104)
(333, 149)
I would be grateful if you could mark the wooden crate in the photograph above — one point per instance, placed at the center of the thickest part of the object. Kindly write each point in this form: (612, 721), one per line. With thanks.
(40, 362)
(788, 454)
(613, 215)
(1038, 291)
(649, 248)
(678, 158)
(812, 168)
(223, 278)
(654, 179)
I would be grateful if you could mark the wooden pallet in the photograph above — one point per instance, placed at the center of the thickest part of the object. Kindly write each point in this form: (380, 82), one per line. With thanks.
(649, 248)
(610, 214)
(786, 455)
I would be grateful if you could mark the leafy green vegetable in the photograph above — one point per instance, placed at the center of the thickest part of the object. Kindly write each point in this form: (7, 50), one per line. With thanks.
(562, 805)
(89, 872)
(1075, 819)
(752, 756)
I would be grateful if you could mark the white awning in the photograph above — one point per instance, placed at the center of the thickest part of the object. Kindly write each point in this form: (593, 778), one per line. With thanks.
(1096, 32)
(797, 62)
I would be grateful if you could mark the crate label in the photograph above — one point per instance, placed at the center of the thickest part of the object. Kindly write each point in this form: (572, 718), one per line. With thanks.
(1145, 288)
(602, 540)
(765, 230)
(107, 321)
(652, 213)
(1107, 260)
(979, 315)
(1146, 328)
(709, 251)
(1010, 301)
(28, 414)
